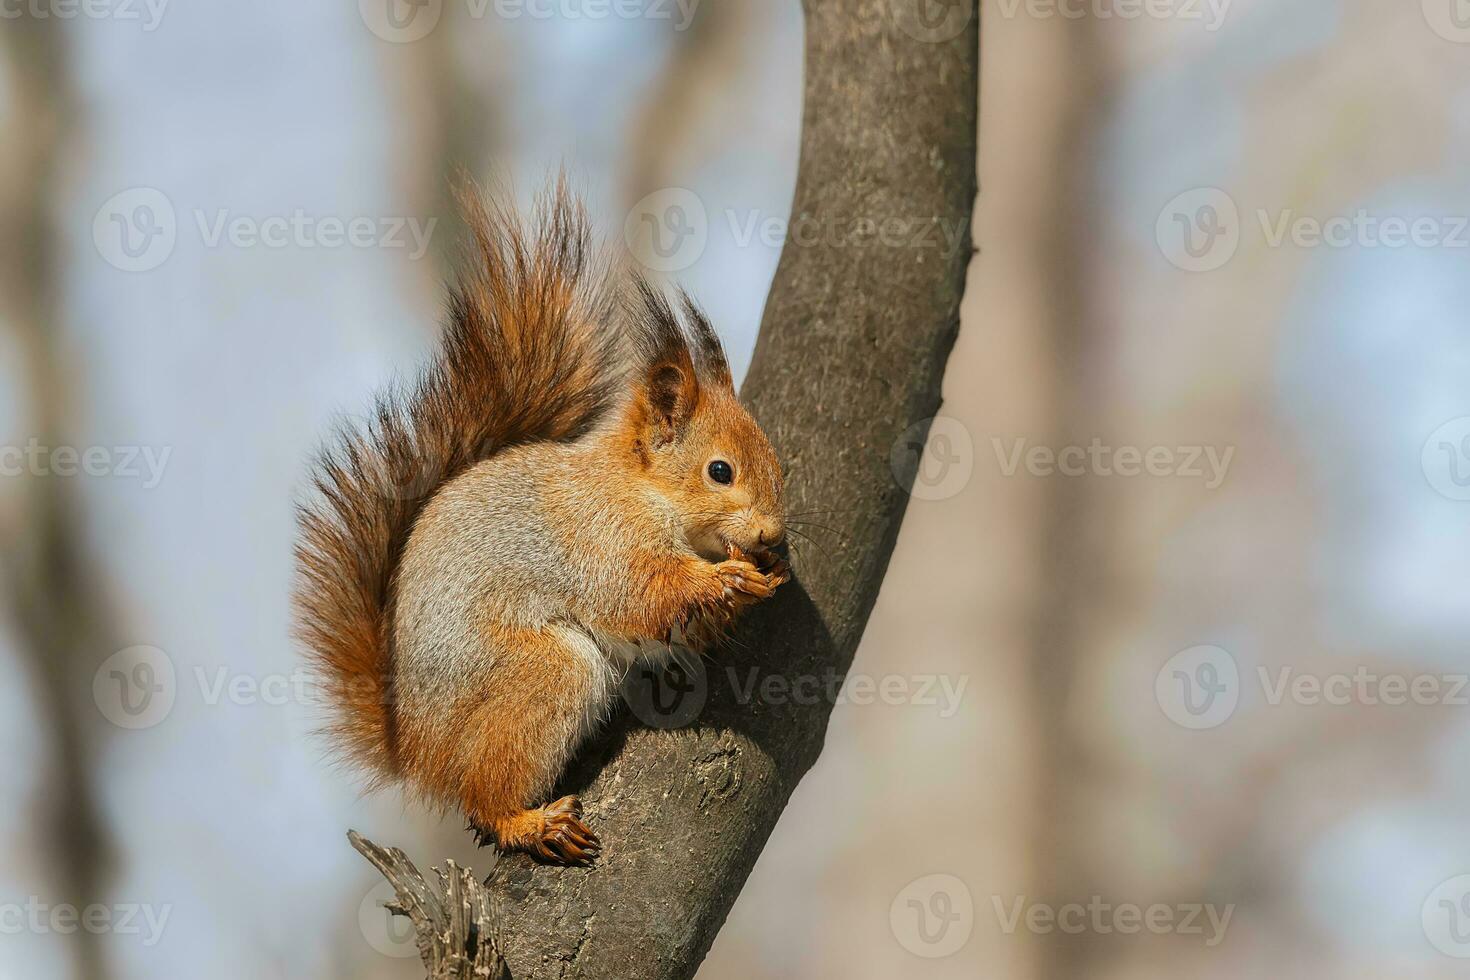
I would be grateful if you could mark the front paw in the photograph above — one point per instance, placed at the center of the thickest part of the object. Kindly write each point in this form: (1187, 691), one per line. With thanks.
(746, 583)
(777, 569)
(742, 582)
(773, 567)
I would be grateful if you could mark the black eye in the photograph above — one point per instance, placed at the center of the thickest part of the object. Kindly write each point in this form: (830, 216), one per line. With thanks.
(720, 471)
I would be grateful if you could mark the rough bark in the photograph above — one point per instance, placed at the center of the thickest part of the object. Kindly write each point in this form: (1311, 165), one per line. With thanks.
(857, 330)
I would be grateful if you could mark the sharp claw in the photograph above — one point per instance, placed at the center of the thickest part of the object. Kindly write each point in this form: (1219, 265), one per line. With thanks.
(567, 804)
(565, 839)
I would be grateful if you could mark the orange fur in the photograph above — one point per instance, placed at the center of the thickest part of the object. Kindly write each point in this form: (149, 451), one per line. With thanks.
(501, 737)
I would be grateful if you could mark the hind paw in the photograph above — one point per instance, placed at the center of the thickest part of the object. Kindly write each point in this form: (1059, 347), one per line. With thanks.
(554, 834)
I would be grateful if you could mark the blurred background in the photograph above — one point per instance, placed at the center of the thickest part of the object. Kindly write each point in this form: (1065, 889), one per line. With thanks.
(1177, 617)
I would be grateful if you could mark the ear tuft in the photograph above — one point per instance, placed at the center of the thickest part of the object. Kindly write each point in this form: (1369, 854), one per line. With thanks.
(671, 397)
(708, 352)
(670, 372)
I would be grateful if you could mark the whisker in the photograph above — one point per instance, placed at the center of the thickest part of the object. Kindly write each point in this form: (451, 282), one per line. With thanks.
(821, 527)
(813, 541)
(737, 643)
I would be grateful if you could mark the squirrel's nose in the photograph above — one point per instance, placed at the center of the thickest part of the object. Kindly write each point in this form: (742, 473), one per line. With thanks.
(775, 536)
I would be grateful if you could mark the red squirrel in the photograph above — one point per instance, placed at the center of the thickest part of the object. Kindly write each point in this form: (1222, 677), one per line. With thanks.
(570, 486)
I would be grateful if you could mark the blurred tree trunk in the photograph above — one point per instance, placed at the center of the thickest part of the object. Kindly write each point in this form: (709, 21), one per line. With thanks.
(50, 583)
(705, 56)
(1074, 538)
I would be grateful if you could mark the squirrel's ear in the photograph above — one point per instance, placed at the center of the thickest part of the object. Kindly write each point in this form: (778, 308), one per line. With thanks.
(672, 392)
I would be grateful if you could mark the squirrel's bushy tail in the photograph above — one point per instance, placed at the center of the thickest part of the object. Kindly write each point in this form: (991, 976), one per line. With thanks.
(528, 354)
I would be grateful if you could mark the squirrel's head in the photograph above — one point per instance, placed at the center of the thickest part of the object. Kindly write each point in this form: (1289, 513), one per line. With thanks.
(697, 444)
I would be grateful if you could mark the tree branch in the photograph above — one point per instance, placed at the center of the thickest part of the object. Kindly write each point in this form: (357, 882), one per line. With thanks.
(859, 324)
(455, 932)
